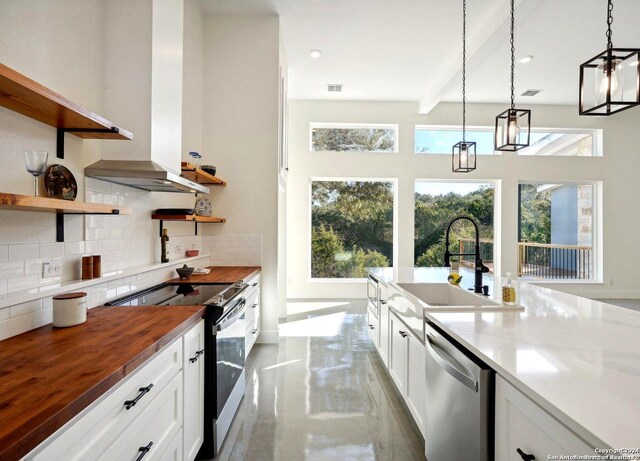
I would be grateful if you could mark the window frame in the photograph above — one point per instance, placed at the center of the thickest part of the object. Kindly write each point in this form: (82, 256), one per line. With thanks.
(394, 239)
(394, 126)
(596, 229)
(597, 134)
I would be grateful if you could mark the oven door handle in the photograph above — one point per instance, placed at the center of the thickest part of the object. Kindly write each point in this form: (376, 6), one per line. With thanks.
(234, 315)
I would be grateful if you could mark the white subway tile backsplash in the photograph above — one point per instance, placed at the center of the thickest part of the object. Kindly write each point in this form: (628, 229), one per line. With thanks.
(11, 269)
(4, 253)
(73, 248)
(24, 251)
(51, 250)
(23, 283)
(25, 308)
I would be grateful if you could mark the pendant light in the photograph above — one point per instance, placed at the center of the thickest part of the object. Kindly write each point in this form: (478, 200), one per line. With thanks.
(610, 81)
(463, 158)
(513, 126)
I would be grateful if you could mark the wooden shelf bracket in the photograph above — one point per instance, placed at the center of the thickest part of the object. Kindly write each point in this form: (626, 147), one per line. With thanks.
(62, 131)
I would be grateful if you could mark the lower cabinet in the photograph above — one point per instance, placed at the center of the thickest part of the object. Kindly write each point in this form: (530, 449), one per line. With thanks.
(383, 320)
(252, 316)
(156, 413)
(416, 385)
(373, 325)
(193, 378)
(398, 350)
(526, 431)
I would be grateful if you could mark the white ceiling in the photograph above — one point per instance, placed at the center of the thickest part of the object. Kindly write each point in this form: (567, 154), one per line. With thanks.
(410, 50)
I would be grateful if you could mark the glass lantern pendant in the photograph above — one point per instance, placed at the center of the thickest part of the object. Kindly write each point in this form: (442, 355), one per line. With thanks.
(610, 81)
(513, 126)
(463, 153)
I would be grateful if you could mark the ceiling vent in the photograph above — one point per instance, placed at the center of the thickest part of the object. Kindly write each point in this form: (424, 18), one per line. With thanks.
(531, 92)
(334, 87)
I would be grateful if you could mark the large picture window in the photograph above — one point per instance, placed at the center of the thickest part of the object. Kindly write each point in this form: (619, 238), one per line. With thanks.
(556, 142)
(351, 227)
(338, 137)
(437, 204)
(556, 231)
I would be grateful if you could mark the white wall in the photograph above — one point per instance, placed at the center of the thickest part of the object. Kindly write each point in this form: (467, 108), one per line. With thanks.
(61, 44)
(617, 169)
(241, 136)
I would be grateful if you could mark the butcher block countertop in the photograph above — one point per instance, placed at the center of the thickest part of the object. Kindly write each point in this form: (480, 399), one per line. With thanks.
(221, 274)
(49, 375)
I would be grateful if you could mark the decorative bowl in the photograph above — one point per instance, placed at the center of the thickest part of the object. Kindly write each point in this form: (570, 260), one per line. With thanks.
(184, 272)
(191, 253)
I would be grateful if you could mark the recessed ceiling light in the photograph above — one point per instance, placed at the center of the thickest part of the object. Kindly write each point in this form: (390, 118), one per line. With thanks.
(315, 53)
(526, 59)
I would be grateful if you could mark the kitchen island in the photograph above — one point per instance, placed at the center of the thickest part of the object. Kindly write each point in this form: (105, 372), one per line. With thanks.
(49, 375)
(576, 358)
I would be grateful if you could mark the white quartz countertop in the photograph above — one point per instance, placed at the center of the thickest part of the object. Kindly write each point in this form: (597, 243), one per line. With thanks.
(577, 358)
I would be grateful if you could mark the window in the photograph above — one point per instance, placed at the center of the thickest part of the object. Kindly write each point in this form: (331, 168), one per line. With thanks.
(351, 227)
(338, 137)
(556, 231)
(556, 142)
(437, 204)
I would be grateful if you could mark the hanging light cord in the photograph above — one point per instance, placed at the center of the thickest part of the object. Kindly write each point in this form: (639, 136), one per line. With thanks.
(513, 57)
(464, 69)
(609, 22)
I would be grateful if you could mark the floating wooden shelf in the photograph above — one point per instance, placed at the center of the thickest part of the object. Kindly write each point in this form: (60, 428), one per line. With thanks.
(186, 218)
(28, 97)
(60, 207)
(190, 172)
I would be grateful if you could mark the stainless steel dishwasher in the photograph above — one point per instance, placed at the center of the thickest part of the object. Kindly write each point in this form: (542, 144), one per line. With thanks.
(459, 423)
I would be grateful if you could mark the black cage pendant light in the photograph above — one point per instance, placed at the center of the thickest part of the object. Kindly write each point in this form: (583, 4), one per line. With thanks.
(463, 158)
(610, 81)
(513, 126)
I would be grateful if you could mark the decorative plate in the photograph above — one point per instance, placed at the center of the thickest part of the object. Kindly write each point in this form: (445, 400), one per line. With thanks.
(60, 183)
(203, 207)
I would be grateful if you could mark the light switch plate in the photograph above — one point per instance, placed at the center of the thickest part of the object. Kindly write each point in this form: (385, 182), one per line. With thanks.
(52, 269)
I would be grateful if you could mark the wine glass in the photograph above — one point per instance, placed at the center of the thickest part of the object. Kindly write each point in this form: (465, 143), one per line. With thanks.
(36, 161)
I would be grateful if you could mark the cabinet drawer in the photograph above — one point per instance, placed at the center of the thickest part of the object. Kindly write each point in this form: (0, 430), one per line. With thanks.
(157, 425)
(253, 302)
(250, 337)
(174, 450)
(99, 425)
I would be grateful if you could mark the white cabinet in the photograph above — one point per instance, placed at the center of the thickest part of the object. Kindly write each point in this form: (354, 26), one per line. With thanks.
(522, 425)
(155, 413)
(252, 315)
(193, 377)
(372, 324)
(416, 385)
(398, 349)
(383, 320)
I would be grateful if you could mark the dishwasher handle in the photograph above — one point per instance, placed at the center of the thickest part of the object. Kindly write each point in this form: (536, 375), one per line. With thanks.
(449, 367)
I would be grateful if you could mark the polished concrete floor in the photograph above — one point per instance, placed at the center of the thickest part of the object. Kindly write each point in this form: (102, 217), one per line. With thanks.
(321, 394)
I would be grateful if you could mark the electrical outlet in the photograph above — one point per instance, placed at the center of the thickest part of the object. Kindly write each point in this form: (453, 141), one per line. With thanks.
(52, 269)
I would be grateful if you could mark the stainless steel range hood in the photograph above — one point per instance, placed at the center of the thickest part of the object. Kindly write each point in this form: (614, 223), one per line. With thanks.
(142, 174)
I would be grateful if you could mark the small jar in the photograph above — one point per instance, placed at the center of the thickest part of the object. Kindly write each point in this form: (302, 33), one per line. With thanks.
(87, 267)
(69, 309)
(97, 266)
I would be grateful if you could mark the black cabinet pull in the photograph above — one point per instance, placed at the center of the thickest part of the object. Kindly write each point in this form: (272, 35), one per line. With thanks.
(525, 456)
(255, 305)
(143, 390)
(254, 331)
(383, 302)
(371, 326)
(254, 284)
(144, 450)
(402, 333)
(195, 357)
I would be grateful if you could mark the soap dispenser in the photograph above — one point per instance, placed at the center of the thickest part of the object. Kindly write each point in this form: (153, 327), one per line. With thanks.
(163, 243)
(508, 291)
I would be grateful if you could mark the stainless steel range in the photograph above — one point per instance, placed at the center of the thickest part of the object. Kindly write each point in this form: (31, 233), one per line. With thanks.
(224, 348)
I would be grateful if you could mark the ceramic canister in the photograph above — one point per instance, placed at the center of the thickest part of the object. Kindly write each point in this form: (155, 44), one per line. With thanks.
(69, 309)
